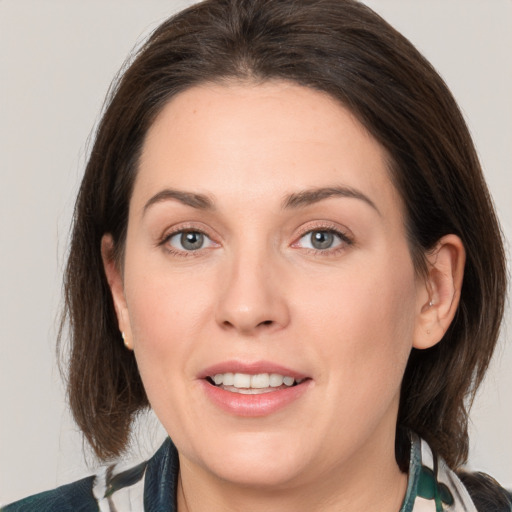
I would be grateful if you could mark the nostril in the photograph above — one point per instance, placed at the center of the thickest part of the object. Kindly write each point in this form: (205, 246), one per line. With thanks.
(266, 322)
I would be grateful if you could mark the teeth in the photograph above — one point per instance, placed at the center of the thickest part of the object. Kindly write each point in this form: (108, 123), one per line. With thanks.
(276, 380)
(288, 381)
(258, 381)
(242, 380)
(228, 379)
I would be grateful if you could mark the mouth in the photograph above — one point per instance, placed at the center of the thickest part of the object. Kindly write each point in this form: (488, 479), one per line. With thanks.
(253, 389)
(253, 384)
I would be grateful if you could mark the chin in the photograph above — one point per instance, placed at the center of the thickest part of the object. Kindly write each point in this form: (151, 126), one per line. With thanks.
(256, 459)
(258, 474)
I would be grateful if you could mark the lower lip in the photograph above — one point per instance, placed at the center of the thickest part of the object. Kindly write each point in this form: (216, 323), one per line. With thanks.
(254, 405)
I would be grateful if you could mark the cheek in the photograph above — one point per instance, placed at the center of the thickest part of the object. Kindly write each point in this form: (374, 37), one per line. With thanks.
(166, 312)
(162, 301)
(364, 322)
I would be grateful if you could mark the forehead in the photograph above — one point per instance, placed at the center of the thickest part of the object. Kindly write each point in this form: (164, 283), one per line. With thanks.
(266, 140)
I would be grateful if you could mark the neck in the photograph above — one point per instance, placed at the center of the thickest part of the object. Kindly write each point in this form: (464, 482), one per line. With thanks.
(371, 480)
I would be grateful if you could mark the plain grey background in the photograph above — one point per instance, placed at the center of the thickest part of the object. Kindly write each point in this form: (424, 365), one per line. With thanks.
(57, 58)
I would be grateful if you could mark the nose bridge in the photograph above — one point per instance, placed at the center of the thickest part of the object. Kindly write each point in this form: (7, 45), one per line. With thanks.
(251, 299)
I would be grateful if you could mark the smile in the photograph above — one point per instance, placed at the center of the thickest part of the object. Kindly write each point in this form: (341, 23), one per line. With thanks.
(252, 384)
(253, 389)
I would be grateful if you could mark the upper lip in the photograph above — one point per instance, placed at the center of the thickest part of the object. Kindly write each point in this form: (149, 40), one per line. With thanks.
(252, 368)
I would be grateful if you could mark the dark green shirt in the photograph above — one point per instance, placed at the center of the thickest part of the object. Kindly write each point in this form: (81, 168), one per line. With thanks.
(151, 487)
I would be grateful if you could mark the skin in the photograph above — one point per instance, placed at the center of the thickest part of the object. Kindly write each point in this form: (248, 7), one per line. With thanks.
(346, 316)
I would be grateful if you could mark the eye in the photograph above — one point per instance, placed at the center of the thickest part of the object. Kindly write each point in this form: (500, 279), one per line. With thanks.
(322, 239)
(189, 241)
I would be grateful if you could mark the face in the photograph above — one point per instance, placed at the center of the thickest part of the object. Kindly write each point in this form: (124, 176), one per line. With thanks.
(268, 289)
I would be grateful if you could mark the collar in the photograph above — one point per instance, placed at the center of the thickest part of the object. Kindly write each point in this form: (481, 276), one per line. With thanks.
(432, 486)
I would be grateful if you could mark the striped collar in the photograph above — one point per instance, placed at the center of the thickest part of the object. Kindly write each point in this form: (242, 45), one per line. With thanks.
(152, 486)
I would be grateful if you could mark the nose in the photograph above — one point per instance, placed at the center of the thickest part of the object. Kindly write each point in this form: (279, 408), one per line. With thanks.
(252, 299)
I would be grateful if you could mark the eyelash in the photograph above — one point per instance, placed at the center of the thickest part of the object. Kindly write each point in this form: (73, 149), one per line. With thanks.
(344, 238)
(164, 242)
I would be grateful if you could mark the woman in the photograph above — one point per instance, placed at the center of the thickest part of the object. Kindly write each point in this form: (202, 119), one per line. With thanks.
(284, 218)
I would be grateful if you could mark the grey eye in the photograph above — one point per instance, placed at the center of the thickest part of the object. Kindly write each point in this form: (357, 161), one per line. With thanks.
(320, 240)
(192, 240)
(189, 240)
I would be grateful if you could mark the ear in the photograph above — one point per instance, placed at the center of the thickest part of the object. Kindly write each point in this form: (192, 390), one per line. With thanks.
(115, 282)
(439, 297)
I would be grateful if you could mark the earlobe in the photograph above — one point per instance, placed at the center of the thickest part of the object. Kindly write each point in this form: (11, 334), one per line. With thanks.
(115, 282)
(440, 295)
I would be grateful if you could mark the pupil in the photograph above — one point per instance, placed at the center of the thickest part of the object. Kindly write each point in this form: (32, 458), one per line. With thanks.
(322, 239)
(192, 240)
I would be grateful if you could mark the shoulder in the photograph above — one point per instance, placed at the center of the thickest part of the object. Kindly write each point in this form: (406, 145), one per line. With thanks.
(77, 496)
(434, 486)
(150, 485)
(487, 494)
(106, 490)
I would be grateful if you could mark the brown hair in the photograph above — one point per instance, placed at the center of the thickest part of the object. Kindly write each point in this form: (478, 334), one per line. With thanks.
(343, 48)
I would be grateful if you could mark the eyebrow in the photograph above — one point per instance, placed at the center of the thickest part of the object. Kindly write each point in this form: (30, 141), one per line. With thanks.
(314, 195)
(199, 201)
(291, 201)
